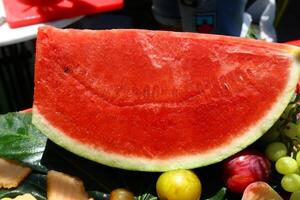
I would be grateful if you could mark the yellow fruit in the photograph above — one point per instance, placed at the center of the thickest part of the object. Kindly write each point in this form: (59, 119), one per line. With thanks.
(121, 194)
(178, 185)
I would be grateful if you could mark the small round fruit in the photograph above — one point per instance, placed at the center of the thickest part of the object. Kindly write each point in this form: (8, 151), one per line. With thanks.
(292, 130)
(178, 185)
(295, 195)
(276, 150)
(290, 182)
(244, 168)
(121, 194)
(286, 165)
(271, 135)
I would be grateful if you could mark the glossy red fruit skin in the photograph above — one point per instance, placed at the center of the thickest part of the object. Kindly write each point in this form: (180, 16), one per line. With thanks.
(245, 168)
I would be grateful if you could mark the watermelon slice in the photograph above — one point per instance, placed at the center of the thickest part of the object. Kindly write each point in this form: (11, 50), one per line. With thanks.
(156, 101)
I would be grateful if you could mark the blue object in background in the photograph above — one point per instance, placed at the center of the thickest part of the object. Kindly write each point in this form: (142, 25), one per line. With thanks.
(229, 16)
(209, 16)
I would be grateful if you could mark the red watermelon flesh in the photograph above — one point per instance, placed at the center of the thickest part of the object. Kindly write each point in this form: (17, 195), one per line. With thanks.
(154, 100)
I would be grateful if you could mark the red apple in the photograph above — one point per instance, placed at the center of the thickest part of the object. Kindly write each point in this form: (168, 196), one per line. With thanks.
(245, 168)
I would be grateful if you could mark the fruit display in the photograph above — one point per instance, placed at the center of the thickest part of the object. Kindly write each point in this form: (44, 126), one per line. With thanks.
(155, 100)
(154, 115)
(284, 147)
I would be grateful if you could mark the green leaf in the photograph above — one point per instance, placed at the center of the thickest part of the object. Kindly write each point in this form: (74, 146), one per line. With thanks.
(21, 141)
(220, 195)
(35, 184)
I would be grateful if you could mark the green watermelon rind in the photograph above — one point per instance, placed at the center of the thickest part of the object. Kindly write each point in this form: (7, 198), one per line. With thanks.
(181, 162)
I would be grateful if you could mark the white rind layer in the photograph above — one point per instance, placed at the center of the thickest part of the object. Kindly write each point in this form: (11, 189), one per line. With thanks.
(180, 162)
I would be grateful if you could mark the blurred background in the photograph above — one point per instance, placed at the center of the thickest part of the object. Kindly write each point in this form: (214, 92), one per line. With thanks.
(17, 59)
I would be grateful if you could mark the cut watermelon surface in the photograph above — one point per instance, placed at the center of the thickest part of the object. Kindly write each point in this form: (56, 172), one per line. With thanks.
(156, 101)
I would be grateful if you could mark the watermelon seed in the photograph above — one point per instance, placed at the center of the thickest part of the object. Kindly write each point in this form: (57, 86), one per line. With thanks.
(66, 69)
